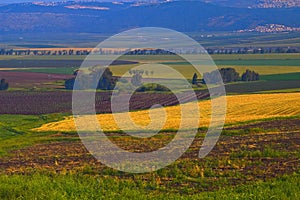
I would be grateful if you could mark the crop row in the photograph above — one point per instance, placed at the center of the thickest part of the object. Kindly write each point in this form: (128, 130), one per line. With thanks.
(34, 102)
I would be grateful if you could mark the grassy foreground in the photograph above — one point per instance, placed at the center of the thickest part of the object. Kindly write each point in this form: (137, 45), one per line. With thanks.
(243, 154)
(41, 186)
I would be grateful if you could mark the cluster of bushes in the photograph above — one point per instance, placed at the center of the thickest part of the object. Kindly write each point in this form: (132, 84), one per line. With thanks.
(153, 87)
(3, 85)
(229, 75)
(250, 76)
(102, 77)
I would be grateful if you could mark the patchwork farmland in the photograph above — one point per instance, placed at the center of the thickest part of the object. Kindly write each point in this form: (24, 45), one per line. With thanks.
(42, 155)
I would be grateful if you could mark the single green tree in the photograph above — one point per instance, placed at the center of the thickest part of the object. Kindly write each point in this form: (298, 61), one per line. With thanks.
(3, 85)
(195, 79)
(136, 79)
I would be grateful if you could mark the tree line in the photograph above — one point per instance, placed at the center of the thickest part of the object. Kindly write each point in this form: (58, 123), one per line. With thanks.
(251, 50)
(233, 50)
(104, 79)
(226, 75)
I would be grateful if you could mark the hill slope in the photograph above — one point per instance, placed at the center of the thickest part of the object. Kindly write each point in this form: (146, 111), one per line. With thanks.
(108, 17)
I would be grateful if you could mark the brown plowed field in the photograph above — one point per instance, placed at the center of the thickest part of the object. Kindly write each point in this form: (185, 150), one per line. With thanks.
(46, 102)
(238, 159)
(31, 79)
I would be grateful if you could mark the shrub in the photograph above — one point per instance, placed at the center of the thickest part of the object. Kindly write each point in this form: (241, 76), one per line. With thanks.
(3, 85)
(195, 79)
(153, 87)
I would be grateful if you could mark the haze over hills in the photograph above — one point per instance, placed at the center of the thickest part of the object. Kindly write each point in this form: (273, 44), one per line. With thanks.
(112, 17)
(228, 3)
(256, 3)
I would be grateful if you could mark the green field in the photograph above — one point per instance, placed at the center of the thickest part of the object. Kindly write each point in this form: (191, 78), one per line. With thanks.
(52, 70)
(15, 131)
(49, 186)
(281, 77)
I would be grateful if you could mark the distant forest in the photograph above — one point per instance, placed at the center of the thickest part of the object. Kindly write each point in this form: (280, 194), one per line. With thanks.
(68, 51)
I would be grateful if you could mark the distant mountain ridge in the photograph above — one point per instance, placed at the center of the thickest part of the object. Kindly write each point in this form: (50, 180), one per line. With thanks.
(112, 17)
(226, 3)
(256, 3)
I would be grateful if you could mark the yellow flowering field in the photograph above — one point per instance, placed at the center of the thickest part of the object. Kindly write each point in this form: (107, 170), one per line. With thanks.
(240, 108)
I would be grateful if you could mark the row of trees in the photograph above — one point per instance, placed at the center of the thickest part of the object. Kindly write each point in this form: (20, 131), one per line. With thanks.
(3, 85)
(227, 75)
(249, 50)
(43, 52)
(146, 72)
(236, 50)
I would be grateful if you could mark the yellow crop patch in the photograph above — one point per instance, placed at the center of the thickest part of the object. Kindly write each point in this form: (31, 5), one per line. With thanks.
(240, 108)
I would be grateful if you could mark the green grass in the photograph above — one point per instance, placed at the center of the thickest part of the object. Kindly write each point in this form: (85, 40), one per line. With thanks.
(268, 152)
(78, 186)
(53, 70)
(15, 131)
(263, 62)
(280, 77)
(259, 86)
(266, 70)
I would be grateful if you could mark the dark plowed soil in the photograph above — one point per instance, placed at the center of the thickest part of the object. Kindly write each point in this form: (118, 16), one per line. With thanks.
(36, 103)
(31, 79)
(280, 125)
(238, 159)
